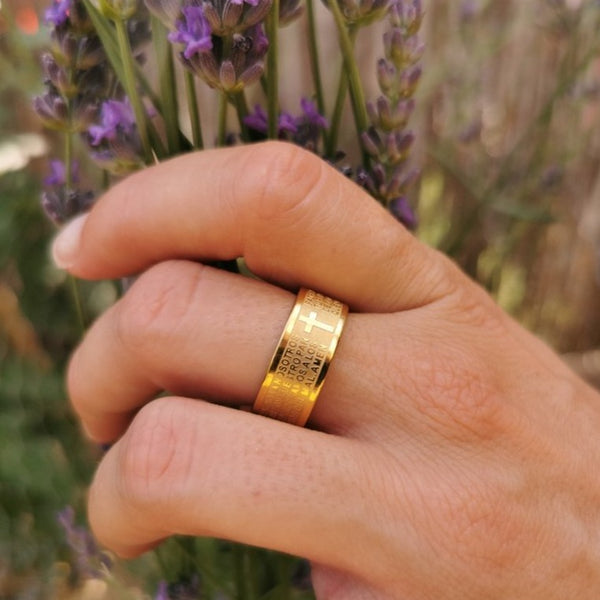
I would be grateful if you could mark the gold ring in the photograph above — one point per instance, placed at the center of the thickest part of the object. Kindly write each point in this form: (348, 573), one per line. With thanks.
(302, 358)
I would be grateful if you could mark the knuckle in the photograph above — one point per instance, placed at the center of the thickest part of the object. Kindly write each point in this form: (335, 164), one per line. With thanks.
(156, 455)
(157, 304)
(285, 180)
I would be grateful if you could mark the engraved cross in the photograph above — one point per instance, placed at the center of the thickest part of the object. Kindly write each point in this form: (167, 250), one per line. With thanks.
(311, 321)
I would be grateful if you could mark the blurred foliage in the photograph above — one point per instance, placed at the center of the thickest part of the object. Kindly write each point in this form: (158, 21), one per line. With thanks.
(510, 136)
(511, 186)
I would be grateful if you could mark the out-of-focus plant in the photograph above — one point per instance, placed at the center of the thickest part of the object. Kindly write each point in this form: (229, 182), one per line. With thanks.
(510, 188)
(505, 119)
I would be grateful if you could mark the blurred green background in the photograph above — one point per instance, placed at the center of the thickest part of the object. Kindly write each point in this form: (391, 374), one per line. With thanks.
(509, 144)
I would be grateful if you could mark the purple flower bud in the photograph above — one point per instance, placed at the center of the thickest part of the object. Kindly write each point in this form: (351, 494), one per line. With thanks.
(407, 15)
(409, 79)
(52, 110)
(232, 12)
(386, 74)
(258, 121)
(91, 561)
(287, 123)
(116, 116)
(162, 593)
(227, 76)
(58, 13)
(402, 210)
(193, 32)
(58, 172)
(311, 114)
(61, 205)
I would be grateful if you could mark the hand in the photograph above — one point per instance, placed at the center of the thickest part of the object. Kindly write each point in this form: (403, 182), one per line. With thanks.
(451, 455)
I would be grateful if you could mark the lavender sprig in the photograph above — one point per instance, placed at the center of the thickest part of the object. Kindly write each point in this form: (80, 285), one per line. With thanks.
(388, 140)
(225, 58)
(89, 559)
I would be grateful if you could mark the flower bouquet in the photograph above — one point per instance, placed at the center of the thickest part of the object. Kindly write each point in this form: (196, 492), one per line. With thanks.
(131, 83)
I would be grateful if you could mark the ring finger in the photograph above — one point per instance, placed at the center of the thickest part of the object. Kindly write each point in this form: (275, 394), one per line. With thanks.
(200, 332)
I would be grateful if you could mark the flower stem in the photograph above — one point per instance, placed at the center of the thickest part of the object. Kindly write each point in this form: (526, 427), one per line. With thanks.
(222, 120)
(347, 36)
(168, 85)
(336, 117)
(75, 291)
(313, 52)
(194, 110)
(272, 26)
(241, 107)
(131, 88)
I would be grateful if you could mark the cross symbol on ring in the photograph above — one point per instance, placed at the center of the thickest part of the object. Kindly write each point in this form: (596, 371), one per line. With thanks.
(311, 321)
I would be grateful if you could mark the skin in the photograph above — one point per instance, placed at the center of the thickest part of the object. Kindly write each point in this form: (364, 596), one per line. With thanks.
(451, 454)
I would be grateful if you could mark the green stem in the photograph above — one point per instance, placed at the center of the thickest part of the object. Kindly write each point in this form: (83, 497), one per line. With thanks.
(240, 572)
(168, 84)
(77, 301)
(131, 88)
(336, 117)
(347, 35)
(241, 107)
(75, 291)
(193, 109)
(222, 120)
(313, 52)
(272, 26)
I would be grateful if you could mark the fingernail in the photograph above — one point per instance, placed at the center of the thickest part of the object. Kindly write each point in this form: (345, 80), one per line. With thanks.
(66, 245)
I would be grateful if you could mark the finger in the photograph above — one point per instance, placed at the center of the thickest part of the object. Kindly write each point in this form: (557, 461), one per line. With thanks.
(295, 219)
(188, 467)
(201, 332)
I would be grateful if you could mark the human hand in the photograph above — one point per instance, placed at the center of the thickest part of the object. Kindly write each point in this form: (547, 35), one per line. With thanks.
(451, 455)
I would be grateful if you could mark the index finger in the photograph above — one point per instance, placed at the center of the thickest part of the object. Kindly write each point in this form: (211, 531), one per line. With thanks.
(295, 219)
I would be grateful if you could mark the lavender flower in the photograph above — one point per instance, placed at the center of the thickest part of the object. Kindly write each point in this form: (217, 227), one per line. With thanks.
(162, 593)
(75, 72)
(117, 119)
(60, 201)
(115, 141)
(388, 141)
(304, 130)
(258, 121)
(231, 67)
(58, 173)
(58, 12)
(90, 560)
(227, 17)
(193, 32)
(309, 125)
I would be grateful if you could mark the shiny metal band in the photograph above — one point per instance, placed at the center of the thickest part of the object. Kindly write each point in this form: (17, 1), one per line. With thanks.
(303, 355)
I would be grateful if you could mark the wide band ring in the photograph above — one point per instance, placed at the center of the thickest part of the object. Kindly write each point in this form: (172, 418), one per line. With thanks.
(302, 358)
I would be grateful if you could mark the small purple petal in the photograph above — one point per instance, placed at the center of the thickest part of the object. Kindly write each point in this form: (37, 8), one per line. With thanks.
(193, 32)
(115, 116)
(162, 593)
(58, 173)
(58, 12)
(287, 123)
(402, 210)
(257, 120)
(311, 114)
